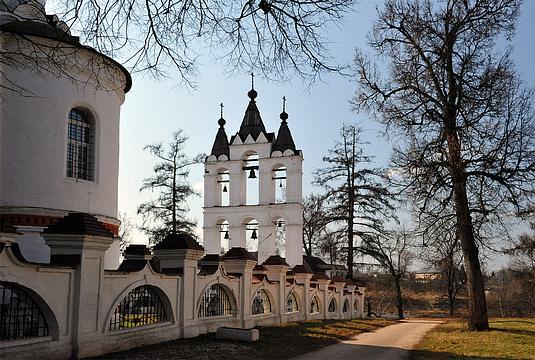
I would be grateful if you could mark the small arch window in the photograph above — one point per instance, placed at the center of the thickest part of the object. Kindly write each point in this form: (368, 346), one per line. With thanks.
(346, 306)
(142, 306)
(356, 305)
(20, 316)
(214, 302)
(291, 303)
(332, 305)
(80, 145)
(314, 305)
(261, 303)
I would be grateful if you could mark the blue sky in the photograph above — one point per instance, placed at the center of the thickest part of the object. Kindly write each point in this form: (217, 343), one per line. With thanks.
(154, 108)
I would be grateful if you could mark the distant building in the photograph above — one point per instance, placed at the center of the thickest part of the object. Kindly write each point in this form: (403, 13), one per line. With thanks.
(427, 275)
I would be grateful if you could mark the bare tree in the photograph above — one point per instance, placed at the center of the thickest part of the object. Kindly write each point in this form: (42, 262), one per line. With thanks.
(392, 251)
(314, 222)
(356, 196)
(168, 213)
(463, 112)
(441, 248)
(125, 230)
(269, 35)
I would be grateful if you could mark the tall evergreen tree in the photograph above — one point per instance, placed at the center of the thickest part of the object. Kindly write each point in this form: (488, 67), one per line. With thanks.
(356, 196)
(168, 212)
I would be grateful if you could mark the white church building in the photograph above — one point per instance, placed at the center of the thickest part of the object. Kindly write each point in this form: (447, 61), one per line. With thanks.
(63, 292)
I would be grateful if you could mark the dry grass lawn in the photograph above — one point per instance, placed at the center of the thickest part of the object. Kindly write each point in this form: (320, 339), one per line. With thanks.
(508, 339)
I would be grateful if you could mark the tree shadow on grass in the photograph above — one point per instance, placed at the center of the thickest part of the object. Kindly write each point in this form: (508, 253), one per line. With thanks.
(432, 355)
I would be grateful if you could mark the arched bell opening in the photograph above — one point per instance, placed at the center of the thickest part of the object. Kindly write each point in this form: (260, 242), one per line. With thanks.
(279, 179)
(280, 236)
(252, 234)
(224, 236)
(223, 181)
(251, 174)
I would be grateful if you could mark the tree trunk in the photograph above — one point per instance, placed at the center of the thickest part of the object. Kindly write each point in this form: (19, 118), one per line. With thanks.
(399, 298)
(477, 304)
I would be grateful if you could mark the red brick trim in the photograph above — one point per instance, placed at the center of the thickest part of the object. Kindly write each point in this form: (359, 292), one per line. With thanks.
(46, 221)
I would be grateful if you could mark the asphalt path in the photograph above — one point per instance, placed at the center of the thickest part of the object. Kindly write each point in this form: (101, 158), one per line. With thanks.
(389, 343)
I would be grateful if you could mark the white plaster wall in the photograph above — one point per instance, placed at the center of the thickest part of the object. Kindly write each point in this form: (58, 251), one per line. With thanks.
(33, 135)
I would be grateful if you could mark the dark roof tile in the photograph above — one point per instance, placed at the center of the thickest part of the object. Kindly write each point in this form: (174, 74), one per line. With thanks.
(238, 253)
(178, 241)
(79, 224)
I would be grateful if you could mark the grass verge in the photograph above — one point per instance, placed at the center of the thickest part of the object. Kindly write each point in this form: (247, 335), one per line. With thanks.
(276, 342)
(507, 339)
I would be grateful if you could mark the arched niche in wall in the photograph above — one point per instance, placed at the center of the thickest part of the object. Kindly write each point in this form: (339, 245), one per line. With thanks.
(251, 174)
(261, 303)
(216, 300)
(314, 305)
(332, 305)
(292, 305)
(144, 305)
(346, 306)
(24, 314)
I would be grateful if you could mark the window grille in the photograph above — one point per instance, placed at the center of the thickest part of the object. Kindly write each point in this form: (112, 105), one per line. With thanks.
(80, 145)
(261, 303)
(20, 316)
(346, 306)
(142, 306)
(314, 305)
(214, 302)
(332, 306)
(291, 303)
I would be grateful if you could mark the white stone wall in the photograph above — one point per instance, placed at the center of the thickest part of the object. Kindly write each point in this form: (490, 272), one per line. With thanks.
(33, 136)
(78, 302)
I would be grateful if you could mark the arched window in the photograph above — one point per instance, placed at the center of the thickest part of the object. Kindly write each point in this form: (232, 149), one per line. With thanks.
(80, 145)
(356, 305)
(20, 316)
(346, 306)
(332, 305)
(142, 306)
(214, 302)
(314, 305)
(291, 303)
(261, 303)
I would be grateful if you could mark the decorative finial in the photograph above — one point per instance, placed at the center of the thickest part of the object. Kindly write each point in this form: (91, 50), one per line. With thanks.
(252, 93)
(283, 115)
(221, 121)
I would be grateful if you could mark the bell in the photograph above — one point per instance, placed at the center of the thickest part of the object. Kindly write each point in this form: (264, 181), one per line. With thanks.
(253, 235)
(225, 188)
(226, 235)
(280, 184)
(279, 223)
(252, 174)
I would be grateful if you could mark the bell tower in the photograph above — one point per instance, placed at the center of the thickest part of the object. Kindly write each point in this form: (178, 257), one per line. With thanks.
(253, 189)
